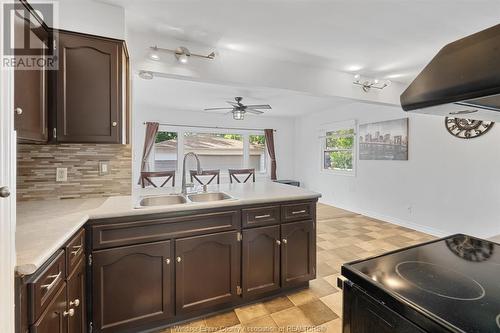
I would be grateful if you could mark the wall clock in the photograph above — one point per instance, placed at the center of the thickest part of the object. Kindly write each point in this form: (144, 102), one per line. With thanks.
(467, 128)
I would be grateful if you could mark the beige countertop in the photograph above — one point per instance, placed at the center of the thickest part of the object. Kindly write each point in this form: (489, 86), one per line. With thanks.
(43, 227)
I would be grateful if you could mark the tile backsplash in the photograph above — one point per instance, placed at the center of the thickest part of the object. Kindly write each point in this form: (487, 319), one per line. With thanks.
(37, 164)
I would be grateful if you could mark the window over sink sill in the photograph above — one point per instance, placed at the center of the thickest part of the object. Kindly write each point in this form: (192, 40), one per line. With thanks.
(338, 148)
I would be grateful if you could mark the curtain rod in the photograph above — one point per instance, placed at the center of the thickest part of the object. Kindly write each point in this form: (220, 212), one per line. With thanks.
(214, 127)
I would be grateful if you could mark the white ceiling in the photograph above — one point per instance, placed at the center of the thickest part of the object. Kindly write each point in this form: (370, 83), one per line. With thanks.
(183, 95)
(380, 38)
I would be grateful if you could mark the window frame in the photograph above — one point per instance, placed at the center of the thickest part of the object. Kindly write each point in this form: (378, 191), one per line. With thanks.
(215, 130)
(332, 127)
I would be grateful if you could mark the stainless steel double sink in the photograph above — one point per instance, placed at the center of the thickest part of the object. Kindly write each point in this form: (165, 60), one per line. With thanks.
(176, 199)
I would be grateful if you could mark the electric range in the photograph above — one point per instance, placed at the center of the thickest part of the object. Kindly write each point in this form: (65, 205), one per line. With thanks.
(448, 285)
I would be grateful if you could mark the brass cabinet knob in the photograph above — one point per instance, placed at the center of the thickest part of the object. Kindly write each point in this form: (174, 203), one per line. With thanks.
(278, 242)
(70, 312)
(114, 123)
(167, 261)
(179, 259)
(18, 111)
(284, 241)
(76, 303)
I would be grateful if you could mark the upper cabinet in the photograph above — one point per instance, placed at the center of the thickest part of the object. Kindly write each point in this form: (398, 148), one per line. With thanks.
(91, 89)
(84, 99)
(30, 84)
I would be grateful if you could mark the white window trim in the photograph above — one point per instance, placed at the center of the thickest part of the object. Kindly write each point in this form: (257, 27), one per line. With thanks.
(331, 127)
(246, 146)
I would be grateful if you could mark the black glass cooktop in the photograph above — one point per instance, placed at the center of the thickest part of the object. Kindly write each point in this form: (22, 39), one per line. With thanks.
(457, 279)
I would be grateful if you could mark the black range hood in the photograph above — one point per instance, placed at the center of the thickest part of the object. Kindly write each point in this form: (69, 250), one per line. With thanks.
(462, 79)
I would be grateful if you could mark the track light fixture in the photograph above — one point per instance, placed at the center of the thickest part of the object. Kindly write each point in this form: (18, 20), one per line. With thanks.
(182, 54)
(368, 84)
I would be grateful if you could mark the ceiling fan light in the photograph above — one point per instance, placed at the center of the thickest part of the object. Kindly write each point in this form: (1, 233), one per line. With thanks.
(238, 115)
(183, 58)
(154, 54)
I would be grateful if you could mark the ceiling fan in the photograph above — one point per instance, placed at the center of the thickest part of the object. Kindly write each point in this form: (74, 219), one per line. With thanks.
(239, 109)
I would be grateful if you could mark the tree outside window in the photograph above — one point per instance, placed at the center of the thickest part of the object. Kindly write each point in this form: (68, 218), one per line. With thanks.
(338, 152)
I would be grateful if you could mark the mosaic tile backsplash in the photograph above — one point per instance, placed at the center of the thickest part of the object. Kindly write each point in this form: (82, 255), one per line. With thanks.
(36, 171)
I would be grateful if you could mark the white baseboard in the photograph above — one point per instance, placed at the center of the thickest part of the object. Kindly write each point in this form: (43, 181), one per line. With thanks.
(390, 219)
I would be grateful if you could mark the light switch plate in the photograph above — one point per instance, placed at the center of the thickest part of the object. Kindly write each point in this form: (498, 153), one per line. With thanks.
(103, 168)
(61, 174)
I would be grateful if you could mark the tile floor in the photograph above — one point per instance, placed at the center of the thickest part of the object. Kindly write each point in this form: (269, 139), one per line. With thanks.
(342, 236)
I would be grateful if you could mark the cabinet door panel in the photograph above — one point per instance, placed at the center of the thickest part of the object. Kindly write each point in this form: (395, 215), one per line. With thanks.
(132, 286)
(76, 298)
(53, 319)
(30, 87)
(298, 259)
(207, 271)
(261, 260)
(88, 93)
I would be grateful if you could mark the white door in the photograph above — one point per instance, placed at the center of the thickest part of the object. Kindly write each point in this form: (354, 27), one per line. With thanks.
(7, 200)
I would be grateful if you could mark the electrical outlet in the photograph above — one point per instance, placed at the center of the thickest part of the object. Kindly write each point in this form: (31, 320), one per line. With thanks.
(61, 174)
(103, 168)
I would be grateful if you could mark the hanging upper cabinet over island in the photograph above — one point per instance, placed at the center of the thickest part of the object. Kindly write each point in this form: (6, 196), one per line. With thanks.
(91, 89)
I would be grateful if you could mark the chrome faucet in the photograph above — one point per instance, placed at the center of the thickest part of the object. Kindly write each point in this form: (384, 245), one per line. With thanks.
(198, 167)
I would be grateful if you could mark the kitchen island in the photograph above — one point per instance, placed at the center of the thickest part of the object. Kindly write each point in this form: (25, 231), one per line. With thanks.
(155, 266)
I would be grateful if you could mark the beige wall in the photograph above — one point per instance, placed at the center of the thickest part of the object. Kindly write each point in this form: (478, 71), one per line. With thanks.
(36, 171)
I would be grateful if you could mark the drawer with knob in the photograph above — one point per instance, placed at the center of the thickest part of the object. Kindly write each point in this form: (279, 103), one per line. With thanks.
(43, 287)
(260, 216)
(75, 250)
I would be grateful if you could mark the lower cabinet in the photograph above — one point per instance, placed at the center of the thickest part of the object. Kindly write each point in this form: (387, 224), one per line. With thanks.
(132, 285)
(54, 318)
(261, 260)
(76, 299)
(298, 253)
(207, 271)
(198, 269)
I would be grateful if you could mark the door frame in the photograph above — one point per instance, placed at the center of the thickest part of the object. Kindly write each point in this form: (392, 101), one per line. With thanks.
(7, 205)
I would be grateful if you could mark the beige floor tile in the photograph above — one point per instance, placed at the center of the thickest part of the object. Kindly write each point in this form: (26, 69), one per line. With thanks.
(222, 320)
(292, 320)
(250, 312)
(318, 312)
(302, 297)
(264, 324)
(278, 304)
(334, 326)
(319, 287)
(334, 302)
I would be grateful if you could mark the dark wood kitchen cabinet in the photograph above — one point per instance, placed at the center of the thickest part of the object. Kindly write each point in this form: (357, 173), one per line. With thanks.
(261, 260)
(298, 252)
(91, 89)
(30, 84)
(54, 318)
(76, 299)
(132, 285)
(207, 271)
(157, 269)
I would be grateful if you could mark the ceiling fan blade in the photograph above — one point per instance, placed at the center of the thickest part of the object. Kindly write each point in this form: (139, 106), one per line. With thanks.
(232, 103)
(254, 111)
(262, 106)
(214, 109)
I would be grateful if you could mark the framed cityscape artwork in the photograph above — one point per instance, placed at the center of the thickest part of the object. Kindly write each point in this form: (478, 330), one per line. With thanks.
(385, 140)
